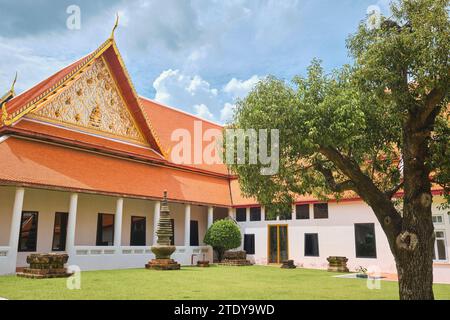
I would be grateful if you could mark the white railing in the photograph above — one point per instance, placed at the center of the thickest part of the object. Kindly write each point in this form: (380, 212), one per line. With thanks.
(109, 257)
(4, 252)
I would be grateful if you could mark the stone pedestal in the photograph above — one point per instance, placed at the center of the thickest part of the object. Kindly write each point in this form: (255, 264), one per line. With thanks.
(163, 264)
(43, 266)
(235, 258)
(337, 264)
(203, 264)
(288, 264)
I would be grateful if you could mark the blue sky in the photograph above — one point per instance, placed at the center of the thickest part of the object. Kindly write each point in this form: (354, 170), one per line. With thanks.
(196, 55)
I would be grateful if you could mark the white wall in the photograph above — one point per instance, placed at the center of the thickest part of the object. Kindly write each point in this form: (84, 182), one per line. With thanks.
(336, 236)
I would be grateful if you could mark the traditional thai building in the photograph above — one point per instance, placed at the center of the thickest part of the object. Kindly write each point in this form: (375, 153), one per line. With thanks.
(84, 162)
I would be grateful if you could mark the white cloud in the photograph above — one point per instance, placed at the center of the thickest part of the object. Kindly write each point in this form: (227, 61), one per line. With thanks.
(187, 92)
(202, 111)
(194, 94)
(240, 88)
(227, 112)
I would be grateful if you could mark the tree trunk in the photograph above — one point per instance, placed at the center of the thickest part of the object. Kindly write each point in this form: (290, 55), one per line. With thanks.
(415, 244)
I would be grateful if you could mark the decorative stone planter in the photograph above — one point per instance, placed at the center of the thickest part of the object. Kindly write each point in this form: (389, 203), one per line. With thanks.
(203, 264)
(49, 265)
(288, 264)
(337, 264)
(235, 259)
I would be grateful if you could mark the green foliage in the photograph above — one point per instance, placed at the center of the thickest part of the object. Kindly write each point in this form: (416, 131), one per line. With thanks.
(358, 111)
(223, 235)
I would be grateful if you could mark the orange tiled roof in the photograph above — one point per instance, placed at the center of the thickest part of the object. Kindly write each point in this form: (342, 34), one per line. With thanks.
(76, 137)
(165, 120)
(41, 164)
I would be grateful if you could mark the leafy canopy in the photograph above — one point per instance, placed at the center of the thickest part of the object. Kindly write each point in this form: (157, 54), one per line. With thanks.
(223, 235)
(356, 115)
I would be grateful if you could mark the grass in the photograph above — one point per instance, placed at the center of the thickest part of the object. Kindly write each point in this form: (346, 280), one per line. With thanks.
(227, 283)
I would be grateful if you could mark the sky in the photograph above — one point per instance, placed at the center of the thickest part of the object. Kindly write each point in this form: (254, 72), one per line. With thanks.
(196, 55)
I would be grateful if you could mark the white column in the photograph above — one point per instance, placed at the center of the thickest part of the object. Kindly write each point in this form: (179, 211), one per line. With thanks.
(293, 216)
(156, 215)
(118, 223)
(187, 225)
(231, 213)
(15, 228)
(263, 213)
(247, 214)
(210, 216)
(71, 225)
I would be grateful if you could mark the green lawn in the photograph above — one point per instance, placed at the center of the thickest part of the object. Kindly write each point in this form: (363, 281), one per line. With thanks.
(256, 282)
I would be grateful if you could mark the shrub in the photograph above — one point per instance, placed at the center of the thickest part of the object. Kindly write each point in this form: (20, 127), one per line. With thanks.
(223, 235)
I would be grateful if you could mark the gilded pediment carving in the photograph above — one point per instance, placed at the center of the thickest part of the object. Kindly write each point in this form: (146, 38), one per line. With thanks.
(92, 102)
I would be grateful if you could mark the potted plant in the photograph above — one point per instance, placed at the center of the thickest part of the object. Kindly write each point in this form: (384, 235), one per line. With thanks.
(361, 272)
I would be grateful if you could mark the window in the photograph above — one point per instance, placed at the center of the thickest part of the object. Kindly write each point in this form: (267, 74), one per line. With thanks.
(138, 231)
(302, 211)
(194, 233)
(439, 247)
(255, 214)
(311, 245)
(249, 243)
(60, 231)
(28, 232)
(365, 240)
(105, 229)
(321, 211)
(172, 238)
(241, 214)
(438, 219)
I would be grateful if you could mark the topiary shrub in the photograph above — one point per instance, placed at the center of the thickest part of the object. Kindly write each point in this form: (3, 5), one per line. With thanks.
(223, 235)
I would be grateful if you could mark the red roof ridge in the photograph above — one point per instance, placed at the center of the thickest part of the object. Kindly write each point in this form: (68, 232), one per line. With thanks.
(182, 111)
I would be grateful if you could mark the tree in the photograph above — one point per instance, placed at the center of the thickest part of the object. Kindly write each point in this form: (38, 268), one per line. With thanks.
(374, 128)
(223, 235)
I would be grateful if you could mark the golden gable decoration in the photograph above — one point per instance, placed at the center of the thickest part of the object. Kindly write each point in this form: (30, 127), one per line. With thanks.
(92, 102)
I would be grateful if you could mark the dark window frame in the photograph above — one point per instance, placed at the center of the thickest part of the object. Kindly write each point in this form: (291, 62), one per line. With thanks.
(298, 215)
(63, 233)
(239, 215)
(374, 241)
(249, 237)
(33, 249)
(172, 239)
(99, 241)
(257, 214)
(132, 243)
(319, 210)
(317, 249)
(194, 241)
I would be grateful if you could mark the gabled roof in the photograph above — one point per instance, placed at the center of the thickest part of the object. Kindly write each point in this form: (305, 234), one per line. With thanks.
(30, 100)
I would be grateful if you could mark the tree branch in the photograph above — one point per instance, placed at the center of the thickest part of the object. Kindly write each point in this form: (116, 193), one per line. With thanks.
(331, 181)
(382, 206)
(432, 105)
(394, 190)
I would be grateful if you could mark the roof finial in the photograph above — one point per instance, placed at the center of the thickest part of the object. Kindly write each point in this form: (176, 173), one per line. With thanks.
(115, 26)
(13, 84)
